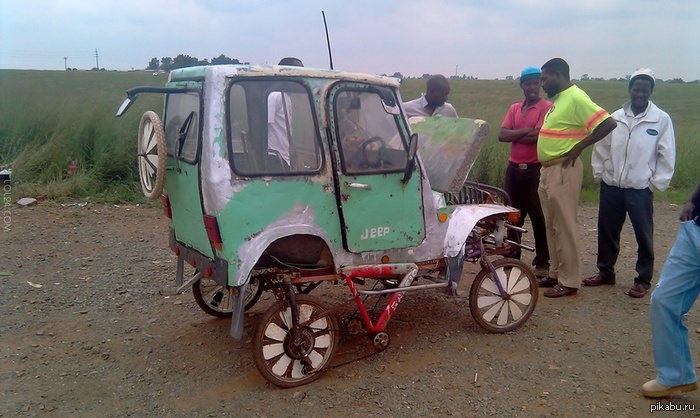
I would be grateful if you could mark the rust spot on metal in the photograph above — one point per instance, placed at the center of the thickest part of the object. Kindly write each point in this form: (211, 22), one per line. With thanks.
(344, 197)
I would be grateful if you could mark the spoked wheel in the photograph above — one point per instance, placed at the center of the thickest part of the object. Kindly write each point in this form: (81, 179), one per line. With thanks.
(152, 155)
(216, 300)
(495, 313)
(282, 361)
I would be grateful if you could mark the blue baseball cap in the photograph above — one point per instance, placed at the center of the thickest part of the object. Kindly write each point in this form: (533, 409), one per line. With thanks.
(530, 72)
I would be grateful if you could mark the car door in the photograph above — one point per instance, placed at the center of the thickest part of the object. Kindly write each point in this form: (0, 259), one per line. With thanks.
(379, 210)
(182, 126)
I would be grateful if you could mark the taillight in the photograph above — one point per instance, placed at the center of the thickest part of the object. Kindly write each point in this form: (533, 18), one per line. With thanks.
(167, 211)
(212, 227)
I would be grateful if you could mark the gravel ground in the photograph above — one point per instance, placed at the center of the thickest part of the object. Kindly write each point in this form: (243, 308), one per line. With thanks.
(87, 329)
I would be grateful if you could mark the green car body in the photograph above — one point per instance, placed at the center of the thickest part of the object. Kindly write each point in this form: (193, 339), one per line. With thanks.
(347, 191)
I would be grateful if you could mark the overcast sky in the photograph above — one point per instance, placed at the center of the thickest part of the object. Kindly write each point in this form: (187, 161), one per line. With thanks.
(483, 38)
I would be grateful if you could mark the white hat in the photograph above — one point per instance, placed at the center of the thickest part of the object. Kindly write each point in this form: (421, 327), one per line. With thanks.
(645, 73)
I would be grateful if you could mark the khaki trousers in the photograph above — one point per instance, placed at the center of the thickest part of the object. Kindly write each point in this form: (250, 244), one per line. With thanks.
(559, 192)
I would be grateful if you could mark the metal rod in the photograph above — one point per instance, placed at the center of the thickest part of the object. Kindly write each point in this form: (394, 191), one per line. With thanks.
(404, 289)
(516, 228)
(523, 246)
(328, 39)
(189, 282)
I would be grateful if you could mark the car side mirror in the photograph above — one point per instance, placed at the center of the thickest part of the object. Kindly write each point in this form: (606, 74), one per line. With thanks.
(411, 163)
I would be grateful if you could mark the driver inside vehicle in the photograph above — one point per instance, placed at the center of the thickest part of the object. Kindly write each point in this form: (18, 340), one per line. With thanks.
(355, 140)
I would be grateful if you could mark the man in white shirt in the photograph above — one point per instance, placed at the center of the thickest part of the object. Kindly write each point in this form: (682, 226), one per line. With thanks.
(279, 119)
(631, 162)
(433, 101)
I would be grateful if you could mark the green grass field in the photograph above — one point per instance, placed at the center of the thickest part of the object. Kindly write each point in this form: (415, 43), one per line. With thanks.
(49, 118)
(489, 100)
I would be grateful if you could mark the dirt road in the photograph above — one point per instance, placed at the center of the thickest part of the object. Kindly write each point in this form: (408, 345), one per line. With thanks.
(85, 330)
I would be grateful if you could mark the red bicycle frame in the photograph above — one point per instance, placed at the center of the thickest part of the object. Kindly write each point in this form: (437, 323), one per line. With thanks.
(409, 270)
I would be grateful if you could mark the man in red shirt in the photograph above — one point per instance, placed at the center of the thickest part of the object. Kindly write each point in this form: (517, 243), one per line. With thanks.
(520, 128)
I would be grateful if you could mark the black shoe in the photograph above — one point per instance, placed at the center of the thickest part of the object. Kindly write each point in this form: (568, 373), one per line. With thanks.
(547, 282)
(560, 291)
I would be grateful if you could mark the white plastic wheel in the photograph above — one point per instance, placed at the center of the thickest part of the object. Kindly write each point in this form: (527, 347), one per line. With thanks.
(496, 313)
(152, 155)
(287, 363)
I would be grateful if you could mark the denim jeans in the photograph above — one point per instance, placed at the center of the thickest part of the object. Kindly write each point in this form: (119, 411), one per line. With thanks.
(677, 290)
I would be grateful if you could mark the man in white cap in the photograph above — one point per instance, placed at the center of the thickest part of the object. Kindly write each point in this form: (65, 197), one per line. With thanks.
(631, 162)
(521, 127)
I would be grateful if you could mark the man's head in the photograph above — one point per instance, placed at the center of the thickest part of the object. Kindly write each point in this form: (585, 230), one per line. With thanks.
(437, 88)
(530, 83)
(555, 76)
(291, 61)
(640, 88)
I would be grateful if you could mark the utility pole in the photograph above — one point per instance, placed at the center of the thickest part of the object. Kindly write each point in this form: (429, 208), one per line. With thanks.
(97, 60)
(456, 69)
(65, 63)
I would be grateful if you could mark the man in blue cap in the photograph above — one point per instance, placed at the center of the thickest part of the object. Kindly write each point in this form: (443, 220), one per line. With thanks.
(520, 128)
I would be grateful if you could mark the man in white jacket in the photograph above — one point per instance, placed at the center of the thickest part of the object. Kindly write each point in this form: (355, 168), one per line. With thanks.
(631, 162)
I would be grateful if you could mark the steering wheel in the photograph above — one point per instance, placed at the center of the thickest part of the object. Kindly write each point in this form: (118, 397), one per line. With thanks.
(369, 158)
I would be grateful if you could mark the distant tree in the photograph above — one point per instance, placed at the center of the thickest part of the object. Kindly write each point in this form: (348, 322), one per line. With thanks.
(675, 81)
(223, 59)
(166, 64)
(153, 65)
(509, 77)
(183, 61)
(585, 77)
(425, 76)
(398, 75)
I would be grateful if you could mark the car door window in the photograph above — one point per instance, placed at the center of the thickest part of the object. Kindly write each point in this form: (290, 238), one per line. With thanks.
(182, 111)
(368, 133)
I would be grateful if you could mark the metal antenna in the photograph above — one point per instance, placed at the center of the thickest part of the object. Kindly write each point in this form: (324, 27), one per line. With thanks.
(328, 40)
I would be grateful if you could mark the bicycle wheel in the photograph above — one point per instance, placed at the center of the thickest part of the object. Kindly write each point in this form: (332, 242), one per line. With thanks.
(496, 313)
(216, 300)
(282, 361)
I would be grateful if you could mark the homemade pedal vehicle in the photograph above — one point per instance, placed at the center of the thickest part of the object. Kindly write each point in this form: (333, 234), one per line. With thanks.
(282, 178)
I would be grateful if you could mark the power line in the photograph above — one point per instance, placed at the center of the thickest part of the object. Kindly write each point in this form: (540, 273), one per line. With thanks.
(16, 53)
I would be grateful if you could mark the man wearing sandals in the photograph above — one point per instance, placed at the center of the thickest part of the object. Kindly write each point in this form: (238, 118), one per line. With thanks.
(677, 290)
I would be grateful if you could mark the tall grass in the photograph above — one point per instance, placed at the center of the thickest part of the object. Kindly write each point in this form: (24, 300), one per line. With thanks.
(49, 118)
(489, 100)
